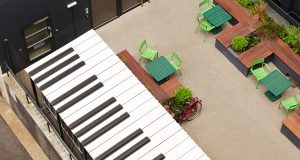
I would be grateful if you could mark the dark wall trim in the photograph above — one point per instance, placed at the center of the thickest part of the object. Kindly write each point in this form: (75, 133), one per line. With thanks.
(289, 135)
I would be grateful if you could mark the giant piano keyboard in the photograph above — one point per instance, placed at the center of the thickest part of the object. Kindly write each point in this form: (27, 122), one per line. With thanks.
(106, 108)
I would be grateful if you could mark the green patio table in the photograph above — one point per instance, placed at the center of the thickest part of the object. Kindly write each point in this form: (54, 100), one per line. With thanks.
(160, 68)
(217, 16)
(276, 83)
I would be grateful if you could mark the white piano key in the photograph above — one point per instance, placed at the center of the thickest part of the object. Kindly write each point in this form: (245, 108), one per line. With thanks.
(172, 130)
(168, 144)
(110, 59)
(91, 119)
(89, 63)
(55, 91)
(60, 104)
(136, 105)
(142, 110)
(144, 96)
(204, 157)
(126, 147)
(83, 47)
(129, 95)
(139, 97)
(114, 69)
(157, 125)
(141, 123)
(39, 84)
(90, 50)
(101, 125)
(35, 76)
(137, 114)
(149, 131)
(180, 149)
(193, 154)
(117, 79)
(72, 44)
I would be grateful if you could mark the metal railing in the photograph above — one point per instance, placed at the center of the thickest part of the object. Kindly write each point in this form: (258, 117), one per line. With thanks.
(34, 103)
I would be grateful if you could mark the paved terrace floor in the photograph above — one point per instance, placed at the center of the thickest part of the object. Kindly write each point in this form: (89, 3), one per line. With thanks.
(237, 121)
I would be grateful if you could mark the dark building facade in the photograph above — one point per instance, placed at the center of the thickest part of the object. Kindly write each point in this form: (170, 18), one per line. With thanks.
(31, 29)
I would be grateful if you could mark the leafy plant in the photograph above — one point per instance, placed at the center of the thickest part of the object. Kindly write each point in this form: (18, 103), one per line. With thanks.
(253, 40)
(291, 36)
(183, 95)
(269, 29)
(259, 11)
(178, 101)
(239, 43)
(246, 3)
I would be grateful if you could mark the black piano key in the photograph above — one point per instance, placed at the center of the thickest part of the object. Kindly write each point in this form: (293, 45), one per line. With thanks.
(92, 112)
(56, 68)
(159, 157)
(74, 90)
(62, 75)
(79, 97)
(105, 129)
(134, 148)
(98, 120)
(120, 144)
(51, 61)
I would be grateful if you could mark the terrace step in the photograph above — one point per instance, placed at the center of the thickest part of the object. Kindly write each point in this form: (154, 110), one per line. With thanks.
(171, 85)
(291, 127)
(261, 50)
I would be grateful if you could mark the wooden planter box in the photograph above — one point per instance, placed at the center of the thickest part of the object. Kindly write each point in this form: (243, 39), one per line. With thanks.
(276, 51)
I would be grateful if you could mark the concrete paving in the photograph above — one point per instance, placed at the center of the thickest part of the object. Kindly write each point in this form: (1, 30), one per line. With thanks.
(237, 121)
(22, 134)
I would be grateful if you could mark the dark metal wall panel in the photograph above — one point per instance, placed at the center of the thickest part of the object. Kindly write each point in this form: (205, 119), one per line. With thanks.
(127, 4)
(19, 13)
(103, 10)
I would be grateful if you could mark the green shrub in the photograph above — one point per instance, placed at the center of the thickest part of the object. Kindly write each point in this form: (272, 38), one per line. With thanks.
(183, 95)
(178, 101)
(239, 43)
(246, 3)
(176, 107)
(296, 48)
(291, 36)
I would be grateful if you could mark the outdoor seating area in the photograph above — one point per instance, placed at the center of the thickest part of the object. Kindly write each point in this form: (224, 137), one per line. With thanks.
(211, 77)
(212, 17)
(160, 92)
(172, 79)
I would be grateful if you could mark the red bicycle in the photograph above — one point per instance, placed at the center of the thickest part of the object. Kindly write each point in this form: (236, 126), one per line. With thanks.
(191, 110)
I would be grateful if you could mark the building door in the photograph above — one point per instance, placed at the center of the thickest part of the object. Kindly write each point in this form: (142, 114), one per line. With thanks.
(129, 4)
(103, 11)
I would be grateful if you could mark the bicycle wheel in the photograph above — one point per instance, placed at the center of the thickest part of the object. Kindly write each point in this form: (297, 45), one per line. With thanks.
(196, 111)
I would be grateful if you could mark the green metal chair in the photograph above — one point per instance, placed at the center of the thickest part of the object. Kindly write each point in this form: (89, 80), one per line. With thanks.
(147, 51)
(290, 103)
(176, 61)
(258, 70)
(204, 6)
(205, 25)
